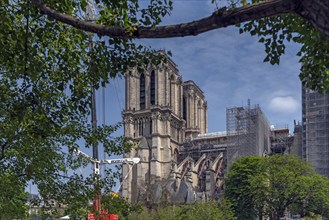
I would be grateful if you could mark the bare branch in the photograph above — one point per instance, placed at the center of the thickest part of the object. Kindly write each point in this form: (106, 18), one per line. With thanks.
(219, 19)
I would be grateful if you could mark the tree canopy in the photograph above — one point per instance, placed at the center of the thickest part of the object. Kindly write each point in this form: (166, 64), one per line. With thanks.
(211, 210)
(47, 70)
(269, 186)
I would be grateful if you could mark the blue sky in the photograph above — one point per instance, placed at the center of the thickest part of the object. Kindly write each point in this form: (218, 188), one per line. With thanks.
(229, 68)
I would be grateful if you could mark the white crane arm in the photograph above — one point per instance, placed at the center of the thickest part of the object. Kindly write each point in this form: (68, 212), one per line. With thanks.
(134, 160)
(84, 155)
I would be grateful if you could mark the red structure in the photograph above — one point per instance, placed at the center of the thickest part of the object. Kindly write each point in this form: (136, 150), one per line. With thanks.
(103, 216)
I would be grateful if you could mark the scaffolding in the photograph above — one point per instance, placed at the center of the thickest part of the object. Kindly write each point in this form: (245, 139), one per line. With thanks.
(248, 132)
(316, 130)
(281, 140)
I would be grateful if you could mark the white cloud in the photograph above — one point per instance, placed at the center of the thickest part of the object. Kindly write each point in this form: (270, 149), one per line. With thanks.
(284, 104)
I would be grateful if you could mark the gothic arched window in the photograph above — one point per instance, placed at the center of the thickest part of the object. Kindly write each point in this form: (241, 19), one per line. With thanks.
(175, 155)
(184, 108)
(142, 91)
(141, 127)
(171, 80)
(153, 88)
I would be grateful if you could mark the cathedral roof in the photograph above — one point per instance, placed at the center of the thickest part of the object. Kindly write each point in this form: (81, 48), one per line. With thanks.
(195, 86)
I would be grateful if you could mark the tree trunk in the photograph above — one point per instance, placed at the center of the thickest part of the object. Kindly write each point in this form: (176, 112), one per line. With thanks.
(317, 12)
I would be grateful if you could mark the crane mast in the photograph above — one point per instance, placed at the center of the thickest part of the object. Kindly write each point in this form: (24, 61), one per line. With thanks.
(97, 163)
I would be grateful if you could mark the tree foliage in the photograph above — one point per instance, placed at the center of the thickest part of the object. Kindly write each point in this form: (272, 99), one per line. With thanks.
(275, 32)
(47, 69)
(12, 197)
(272, 185)
(238, 187)
(120, 206)
(221, 210)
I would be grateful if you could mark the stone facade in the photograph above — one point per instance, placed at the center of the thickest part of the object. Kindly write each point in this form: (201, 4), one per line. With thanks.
(161, 112)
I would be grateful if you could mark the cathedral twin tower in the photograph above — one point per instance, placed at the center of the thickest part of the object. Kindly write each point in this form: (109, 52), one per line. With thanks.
(161, 112)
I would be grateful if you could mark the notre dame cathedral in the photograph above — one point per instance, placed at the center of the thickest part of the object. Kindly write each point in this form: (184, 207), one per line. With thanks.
(180, 161)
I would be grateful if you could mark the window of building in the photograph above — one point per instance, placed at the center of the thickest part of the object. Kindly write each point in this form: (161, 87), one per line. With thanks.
(140, 127)
(151, 124)
(175, 156)
(171, 95)
(142, 91)
(184, 108)
(153, 88)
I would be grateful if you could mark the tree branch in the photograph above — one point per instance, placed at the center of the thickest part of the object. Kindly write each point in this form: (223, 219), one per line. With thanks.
(316, 12)
(3, 146)
(219, 19)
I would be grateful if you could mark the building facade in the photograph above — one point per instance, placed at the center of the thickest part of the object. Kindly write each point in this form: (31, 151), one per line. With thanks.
(315, 128)
(180, 161)
(161, 112)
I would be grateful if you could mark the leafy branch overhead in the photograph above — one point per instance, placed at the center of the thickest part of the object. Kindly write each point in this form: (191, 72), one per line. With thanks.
(315, 11)
(275, 21)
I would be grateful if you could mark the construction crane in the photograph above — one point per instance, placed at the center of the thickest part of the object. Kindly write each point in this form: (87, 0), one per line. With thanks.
(102, 214)
(134, 160)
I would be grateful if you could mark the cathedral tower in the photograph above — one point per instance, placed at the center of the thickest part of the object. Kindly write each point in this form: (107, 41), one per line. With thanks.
(153, 116)
(194, 110)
